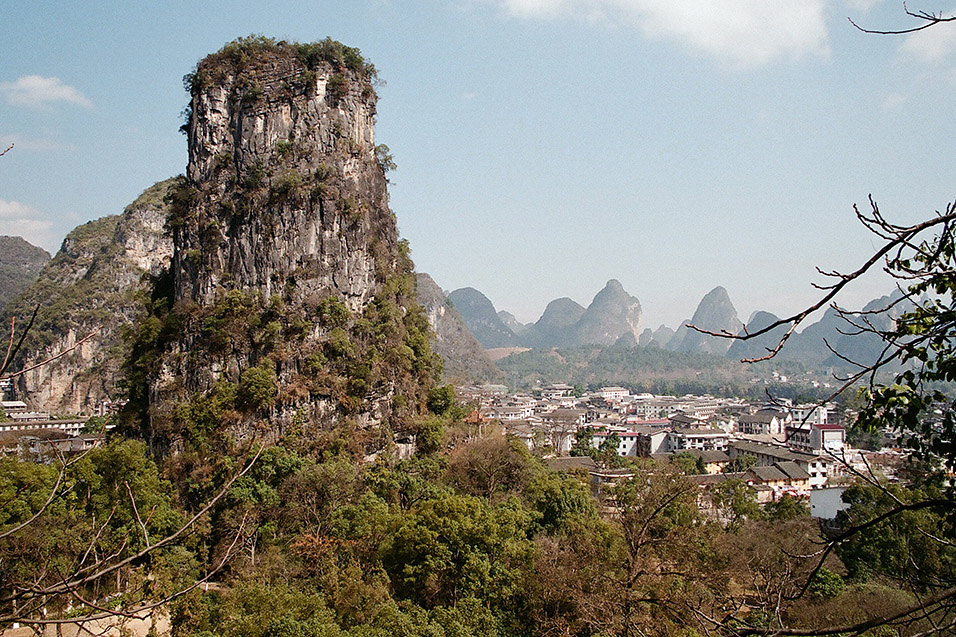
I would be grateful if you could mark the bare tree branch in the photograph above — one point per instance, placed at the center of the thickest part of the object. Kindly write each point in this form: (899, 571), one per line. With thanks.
(55, 357)
(897, 237)
(16, 348)
(103, 566)
(929, 19)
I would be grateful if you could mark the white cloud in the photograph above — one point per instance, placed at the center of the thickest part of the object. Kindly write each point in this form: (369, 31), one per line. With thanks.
(38, 91)
(743, 33)
(932, 45)
(20, 220)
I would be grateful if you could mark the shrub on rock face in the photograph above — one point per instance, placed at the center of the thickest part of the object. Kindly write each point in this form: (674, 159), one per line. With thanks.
(257, 387)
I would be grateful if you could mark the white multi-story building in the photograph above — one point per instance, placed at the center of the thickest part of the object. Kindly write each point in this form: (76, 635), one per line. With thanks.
(764, 422)
(641, 441)
(613, 394)
(700, 439)
(558, 390)
(817, 438)
(811, 414)
(817, 466)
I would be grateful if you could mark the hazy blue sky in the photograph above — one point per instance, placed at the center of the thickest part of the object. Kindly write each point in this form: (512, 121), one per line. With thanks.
(543, 146)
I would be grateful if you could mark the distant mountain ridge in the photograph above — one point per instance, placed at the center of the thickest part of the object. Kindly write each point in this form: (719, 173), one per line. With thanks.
(464, 360)
(482, 318)
(551, 329)
(613, 313)
(715, 313)
(614, 318)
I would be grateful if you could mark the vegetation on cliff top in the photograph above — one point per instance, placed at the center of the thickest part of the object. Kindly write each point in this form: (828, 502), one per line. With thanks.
(258, 49)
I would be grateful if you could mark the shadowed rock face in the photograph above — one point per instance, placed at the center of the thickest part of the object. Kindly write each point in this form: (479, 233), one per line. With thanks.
(551, 330)
(464, 359)
(758, 346)
(612, 314)
(482, 319)
(20, 264)
(511, 322)
(714, 313)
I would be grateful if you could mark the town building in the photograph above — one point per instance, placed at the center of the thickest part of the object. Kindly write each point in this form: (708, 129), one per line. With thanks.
(817, 438)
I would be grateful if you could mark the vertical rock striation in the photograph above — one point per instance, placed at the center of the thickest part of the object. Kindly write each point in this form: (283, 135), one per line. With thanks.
(288, 186)
(291, 301)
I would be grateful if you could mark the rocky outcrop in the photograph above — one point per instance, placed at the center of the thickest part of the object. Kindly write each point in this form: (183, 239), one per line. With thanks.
(92, 289)
(612, 314)
(286, 181)
(292, 300)
(757, 346)
(482, 319)
(850, 342)
(715, 313)
(464, 360)
(832, 341)
(20, 264)
(656, 338)
(551, 330)
(511, 322)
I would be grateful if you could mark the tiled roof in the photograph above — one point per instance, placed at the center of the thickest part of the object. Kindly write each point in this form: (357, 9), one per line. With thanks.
(759, 417)
(710, 456)
(793, 470)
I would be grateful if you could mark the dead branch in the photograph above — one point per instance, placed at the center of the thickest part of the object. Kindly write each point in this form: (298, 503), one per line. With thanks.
(16, 348)
(897, 238)
(54, 494)
(55, 357)
(8, 149)
(106, 565)
(929, 19)
(143, 611)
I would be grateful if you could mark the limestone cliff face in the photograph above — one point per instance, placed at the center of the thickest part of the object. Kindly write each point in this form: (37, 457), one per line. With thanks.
(93, 285)
(289, 186)
(286, 263)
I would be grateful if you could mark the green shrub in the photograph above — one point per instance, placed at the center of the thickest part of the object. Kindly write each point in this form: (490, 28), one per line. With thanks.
(284, 148)
(285, 185)
(339, 346)
(826, 584)
(333, 312)
(257, 387)
(384, 156)
(337, 87)
(441, 399)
